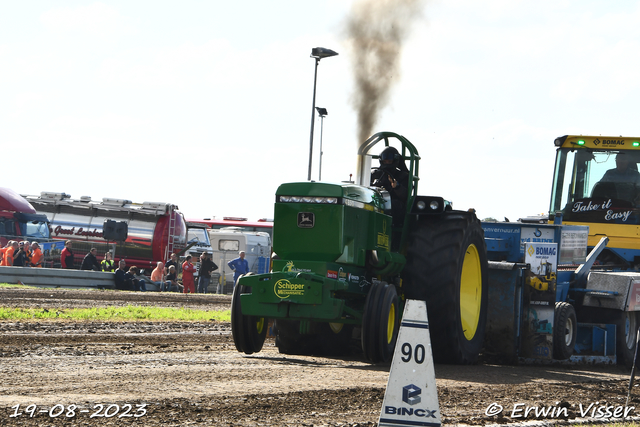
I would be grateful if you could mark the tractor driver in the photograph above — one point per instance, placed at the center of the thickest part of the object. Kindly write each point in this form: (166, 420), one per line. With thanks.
(393, 176)
(625, 172)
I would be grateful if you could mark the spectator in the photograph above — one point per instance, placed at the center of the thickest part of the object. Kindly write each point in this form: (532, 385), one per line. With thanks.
(157, 275)
(107, 263)
(2, 251)
(207, 266)
(27, 251)
(9, 251)
(90, 261)
(20, 257)
(66, 256)
(239, 266)
(173, 260)
(123, 282)
(139, 283)
(36, 255)
(171, 279)
(187, 276)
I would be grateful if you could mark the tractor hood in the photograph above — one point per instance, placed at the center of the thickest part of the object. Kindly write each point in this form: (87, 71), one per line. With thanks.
(348, 191)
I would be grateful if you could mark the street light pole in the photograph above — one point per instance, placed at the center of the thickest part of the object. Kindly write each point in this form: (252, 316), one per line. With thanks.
(317, 53)
(322, 112)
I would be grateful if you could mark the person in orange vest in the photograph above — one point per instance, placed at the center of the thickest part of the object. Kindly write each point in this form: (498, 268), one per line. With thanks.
(36, 255)
(187, 276)
(2, 250)
(9, 252)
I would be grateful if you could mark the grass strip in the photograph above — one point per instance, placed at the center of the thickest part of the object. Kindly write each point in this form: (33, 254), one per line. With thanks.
(14, 285)
(115, 314)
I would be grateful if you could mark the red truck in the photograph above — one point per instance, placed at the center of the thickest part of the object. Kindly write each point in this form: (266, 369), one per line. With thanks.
(19, 220)
(153, 230)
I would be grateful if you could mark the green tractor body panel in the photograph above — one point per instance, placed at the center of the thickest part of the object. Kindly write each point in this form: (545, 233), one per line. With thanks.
(322, 234)
(329, 222)
(297, 296)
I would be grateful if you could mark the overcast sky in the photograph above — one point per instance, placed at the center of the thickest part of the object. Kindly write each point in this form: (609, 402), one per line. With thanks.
(207, 104)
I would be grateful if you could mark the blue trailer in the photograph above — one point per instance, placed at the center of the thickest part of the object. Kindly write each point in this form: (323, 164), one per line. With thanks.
(582, 303)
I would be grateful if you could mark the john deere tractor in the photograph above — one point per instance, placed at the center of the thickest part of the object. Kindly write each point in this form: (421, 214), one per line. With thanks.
(350, 254)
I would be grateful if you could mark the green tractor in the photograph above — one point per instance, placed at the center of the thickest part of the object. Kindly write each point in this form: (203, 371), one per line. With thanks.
(350, 254)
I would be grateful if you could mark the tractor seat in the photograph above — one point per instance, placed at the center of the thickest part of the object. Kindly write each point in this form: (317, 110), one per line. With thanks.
(604, 190)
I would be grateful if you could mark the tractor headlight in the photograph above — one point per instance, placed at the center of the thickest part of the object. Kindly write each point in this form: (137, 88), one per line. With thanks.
(427, 205)
(308, 199)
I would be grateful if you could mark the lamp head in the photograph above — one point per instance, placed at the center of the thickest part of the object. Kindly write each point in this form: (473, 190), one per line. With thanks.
(321, 111)
(321, 52)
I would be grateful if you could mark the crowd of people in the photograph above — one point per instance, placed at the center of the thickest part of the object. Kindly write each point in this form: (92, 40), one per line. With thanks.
(164, 276)
(21, 254)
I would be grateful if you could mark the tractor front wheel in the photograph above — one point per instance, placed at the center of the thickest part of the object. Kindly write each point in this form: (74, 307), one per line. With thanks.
(249, 332)
(380, 323)
(289, 340)
(334, 338)
(447, 268)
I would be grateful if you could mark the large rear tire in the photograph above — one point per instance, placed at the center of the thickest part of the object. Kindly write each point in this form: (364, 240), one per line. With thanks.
(447, 268)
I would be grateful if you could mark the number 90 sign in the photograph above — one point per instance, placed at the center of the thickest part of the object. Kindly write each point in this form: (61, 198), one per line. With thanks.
(417, 354)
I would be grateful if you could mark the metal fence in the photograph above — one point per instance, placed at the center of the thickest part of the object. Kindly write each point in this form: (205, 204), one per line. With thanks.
(57, 277)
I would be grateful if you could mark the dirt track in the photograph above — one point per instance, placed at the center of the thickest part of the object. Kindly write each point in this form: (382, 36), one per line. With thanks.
(190, 373)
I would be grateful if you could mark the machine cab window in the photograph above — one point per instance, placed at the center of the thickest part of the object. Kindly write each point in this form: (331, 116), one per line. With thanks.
(601, 186)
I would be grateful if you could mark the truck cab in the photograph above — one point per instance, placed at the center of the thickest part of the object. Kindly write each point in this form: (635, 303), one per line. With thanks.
(597, 183)
(19, 220)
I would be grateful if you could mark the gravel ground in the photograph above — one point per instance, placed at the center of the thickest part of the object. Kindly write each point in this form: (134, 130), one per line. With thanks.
(189, 373)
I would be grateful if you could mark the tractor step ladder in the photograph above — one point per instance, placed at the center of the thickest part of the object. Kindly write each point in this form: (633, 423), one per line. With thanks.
(171, 236)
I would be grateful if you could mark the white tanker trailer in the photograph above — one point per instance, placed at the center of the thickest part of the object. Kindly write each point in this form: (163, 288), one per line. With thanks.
(153, 230)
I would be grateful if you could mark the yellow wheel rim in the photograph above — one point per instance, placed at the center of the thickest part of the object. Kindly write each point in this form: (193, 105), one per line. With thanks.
(260, 325)
(470, 292)
(336, 327)
(391, 323)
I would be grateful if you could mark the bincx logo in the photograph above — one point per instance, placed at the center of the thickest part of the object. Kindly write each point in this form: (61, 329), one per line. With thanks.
(411, 394)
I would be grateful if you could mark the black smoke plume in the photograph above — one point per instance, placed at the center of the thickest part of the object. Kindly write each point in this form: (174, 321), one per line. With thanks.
(376, 30)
